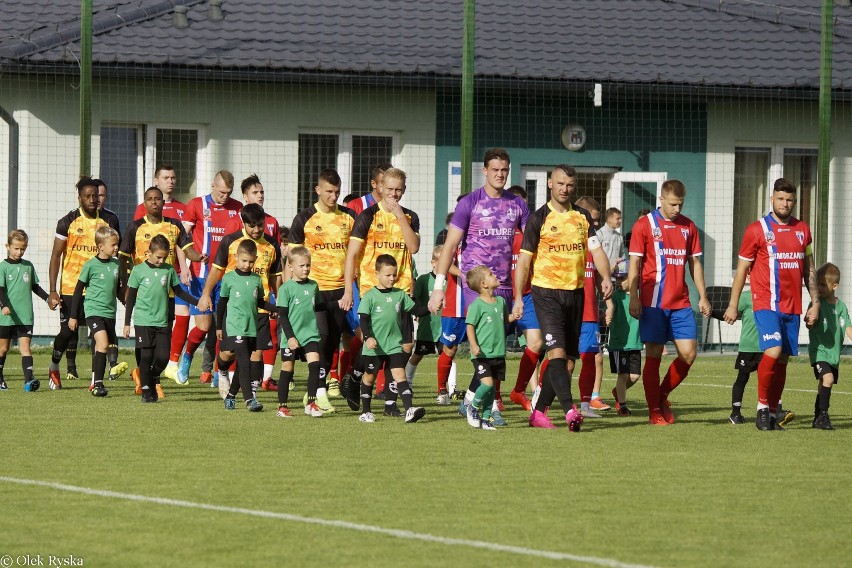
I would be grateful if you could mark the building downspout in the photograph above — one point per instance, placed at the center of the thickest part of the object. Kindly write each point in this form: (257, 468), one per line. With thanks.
(12, 190)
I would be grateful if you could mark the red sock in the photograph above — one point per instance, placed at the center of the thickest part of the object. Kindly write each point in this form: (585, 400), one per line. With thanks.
(269, 356)
(354, 350)
(445, 363)
(678, 371)
(179, 332)
(497, 389)
(335, 360)
(765, 378)
(542, 369)
(529, 361)
(196, 338)
(343, 360)
(380, 380)
(777, 387)
(587, 376)
(651, 383)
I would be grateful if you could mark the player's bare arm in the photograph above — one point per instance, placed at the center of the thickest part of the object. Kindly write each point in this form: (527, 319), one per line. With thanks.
(633, 272)
(602, 266)
(812, 315)
(451, 245)
(731, 313)
(522, 273)
(352, 253)
(205, 302)
(53, 271)
(696, 269)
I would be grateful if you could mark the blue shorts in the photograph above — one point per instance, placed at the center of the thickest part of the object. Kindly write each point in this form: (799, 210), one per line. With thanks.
(196, 287)
(352, 319)
(590, 337)
(178, 301)
(775, 328)
(657, 325)
(453, 331)
(529, 319)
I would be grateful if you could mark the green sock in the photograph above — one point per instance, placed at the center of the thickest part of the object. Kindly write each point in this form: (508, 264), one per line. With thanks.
(487, 402)
(479, 396)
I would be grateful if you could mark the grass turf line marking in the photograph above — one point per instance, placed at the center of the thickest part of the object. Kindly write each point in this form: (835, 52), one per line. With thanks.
(490, 546)
(786, 389)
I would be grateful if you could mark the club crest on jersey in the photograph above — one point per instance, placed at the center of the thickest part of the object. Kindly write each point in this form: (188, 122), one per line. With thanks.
(511, 215)
(25, 277)
(769, 236)
(380, 227)
(685, 233)
(657, 233)
(207, 214)
(231, 213)
(801, 236)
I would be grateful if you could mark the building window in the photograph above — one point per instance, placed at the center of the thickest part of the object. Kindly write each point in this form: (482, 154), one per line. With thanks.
(119, 169)
(178, 147)
(755, 172)
(353, 155)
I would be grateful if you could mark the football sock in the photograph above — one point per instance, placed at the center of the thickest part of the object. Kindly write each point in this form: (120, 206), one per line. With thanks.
(2, 364)
(366, 397)
(335, 361)
(256, 370)
(404, 390)
(488, 403)
(313, 381)
(99, 366)
(595, 395)
(284, 378)
(445, 363)
(738, 390)
(547, 393)
(71, 354)
(497, 388)
(27, 364)
(677, 372)
(195, 339)
(587, 376)
(179, 333)
(765, 378)
(543, 369)
(478, 401)
(267, 369)
(410, 369)
(380, 381)
(651, 383)
(561, 383)
(823, 395)
(354, 351)
(529, 361)
(112, 355)
(777, 387)
(345, 363)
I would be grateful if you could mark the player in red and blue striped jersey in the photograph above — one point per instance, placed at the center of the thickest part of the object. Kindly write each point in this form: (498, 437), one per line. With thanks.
(777, 251)
(663, 244)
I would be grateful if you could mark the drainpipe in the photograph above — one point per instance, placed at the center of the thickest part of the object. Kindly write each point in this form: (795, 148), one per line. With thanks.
(12, 190)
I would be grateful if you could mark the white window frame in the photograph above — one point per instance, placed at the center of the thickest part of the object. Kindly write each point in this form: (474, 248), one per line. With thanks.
(477, 180)
(202, 182)
(615, 195)
(344, 151)
(776, 164)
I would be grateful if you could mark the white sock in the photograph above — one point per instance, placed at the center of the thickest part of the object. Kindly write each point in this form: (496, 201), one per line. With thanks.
(171, 365)
(494, 406)
(468, 396)
(762, 406)
(451, 379)
(231, 375)
(267, 371)
(409, 372)
(321, 392)
(584, 406)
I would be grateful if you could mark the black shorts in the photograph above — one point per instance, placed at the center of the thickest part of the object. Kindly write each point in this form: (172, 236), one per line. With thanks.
(331, 321)
(822, 369)
(560, 315)
(625, 362)
(372, 363)
(263, 340)
(424, 348)
(406, 327)
(148, 337)
(288, 354)
(97, 323)
(15, 331)
(230, 343)
(65, 310)
(494, 368)
(747, 361)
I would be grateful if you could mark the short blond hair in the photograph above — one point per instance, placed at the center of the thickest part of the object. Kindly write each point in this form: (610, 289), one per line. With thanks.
(673, 187)
(18, 235)
(475, 276)
(301, 251)
(103, 233)
(395, 173)
(436, 254)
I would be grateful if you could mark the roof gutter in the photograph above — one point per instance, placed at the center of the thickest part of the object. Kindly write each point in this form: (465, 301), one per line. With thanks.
(102, 24)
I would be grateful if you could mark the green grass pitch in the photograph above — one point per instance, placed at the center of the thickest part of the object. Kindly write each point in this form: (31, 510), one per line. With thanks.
(698, 493)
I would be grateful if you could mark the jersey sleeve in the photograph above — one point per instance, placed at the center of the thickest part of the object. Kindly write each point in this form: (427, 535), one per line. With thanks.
(191, 214)
(133, 281)
(62, 228)
(275, 268)
(592, 241)
(363, 223)
(84, 274)
(225, 291)
(695, 241)
(174, 279)
(184, 241)
(524, 217)
(297, 227)
(221, 259)
(128, 243)
(472, 314)
(461, 216)
(112, 221)
(366, 304)
(415, 221)
(640, 234)
(407, 303)
(844, 317)
(751, 242)
(532, 234)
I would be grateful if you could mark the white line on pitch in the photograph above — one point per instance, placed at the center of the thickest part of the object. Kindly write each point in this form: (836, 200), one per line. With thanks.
(786, 389)
(409, 535)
